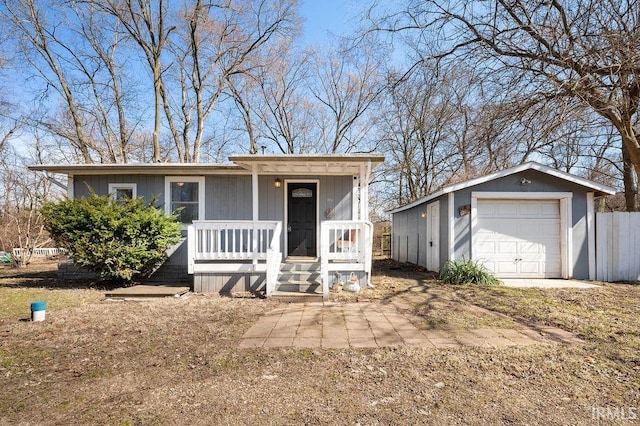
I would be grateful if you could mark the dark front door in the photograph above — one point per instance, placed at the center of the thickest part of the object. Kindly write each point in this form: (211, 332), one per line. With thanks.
(301, 215)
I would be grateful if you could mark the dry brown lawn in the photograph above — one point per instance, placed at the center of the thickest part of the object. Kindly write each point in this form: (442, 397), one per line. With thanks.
(177, 361)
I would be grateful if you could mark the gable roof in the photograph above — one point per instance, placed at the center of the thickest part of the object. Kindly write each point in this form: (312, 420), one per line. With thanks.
(301, 164)
(532, 165)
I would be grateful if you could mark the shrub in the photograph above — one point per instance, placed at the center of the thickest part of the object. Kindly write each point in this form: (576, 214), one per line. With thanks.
(115, 239)
(467, 272)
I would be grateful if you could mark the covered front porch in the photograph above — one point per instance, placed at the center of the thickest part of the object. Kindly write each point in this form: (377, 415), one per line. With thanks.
(308, 229)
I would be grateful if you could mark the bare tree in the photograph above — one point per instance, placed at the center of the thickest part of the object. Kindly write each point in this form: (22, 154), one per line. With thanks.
(423, 124)
(258, 68)
(145, 21)
(21, 225)
(38, 35)
(583, 51)
(276, 99)
(348, 82)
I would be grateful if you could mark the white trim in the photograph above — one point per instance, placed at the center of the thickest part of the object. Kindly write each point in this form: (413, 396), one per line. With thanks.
(566, 229)
(113, 187)
(255, 196)
(285, 228)
(452, 226)
(430, 233)
(354, 197)
(568, 211)
(591, 235)
(473, 222)
(201, 193)
(255, 207)
(521, 195)
(507, 172)
(227, 267)
(70, 187)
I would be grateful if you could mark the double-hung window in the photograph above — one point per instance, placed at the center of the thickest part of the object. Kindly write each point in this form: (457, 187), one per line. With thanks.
(185, 195)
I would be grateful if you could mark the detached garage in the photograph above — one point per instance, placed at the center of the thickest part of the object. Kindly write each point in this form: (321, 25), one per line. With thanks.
(529, 221)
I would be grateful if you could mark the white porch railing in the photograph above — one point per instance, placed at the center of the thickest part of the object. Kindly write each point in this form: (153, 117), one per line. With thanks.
(215, 245)
(229, 240)
(346, 245)
(40, 252)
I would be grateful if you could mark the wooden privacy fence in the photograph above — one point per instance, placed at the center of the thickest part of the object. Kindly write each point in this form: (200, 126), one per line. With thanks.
(618, 246)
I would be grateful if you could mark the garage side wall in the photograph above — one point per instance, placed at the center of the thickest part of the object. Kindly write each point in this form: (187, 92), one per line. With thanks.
(539, 182)
(409, 236)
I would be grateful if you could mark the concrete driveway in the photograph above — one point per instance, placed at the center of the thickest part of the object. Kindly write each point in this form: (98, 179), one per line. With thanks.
(546, 283)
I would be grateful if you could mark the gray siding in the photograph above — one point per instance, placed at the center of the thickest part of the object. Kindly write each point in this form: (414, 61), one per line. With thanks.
(228, 197)
(409, 234)
(406, 227)
(148, 186)
(334, 192)
(228, 283)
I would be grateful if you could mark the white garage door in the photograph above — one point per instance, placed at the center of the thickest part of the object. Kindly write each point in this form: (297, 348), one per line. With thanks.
(519, 238)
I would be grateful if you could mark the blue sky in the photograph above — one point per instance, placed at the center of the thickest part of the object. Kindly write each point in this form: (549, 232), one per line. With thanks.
(324, 17)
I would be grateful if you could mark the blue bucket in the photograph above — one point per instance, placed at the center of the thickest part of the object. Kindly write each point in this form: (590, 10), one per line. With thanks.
(38, 311)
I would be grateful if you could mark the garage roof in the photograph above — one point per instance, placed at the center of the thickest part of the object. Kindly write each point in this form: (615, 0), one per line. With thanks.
(532, 165)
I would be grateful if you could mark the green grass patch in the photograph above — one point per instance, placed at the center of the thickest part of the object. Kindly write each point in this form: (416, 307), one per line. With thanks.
(16, 302)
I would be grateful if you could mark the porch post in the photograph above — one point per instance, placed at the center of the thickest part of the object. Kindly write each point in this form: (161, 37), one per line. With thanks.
(355, 193)
(364, 187)
(70, 191)
(255, 215)
(255, 199)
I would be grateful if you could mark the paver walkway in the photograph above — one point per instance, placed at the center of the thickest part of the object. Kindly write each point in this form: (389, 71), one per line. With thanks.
(370, 325)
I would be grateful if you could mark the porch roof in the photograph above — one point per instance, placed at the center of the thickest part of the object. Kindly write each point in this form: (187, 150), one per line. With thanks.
(307, 164)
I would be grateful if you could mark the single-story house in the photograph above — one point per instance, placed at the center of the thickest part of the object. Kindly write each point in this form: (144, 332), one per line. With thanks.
(270, 222)
(528, 221)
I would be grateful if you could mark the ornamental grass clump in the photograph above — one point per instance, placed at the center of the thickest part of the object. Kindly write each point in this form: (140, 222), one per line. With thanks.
(467, 272)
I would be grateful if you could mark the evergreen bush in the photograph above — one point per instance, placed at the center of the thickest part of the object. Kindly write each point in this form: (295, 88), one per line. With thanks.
(118, 240)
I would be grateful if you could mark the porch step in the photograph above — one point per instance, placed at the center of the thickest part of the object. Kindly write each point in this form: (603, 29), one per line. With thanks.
(299, 266)
(308, 287)
(292, 297)
(299, 281)
(297, 276)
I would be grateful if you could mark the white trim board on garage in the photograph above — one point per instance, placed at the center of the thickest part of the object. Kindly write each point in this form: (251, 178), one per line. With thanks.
(532, 165)
(541, 247)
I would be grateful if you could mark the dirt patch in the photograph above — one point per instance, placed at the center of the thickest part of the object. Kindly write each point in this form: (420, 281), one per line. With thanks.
(177, 361)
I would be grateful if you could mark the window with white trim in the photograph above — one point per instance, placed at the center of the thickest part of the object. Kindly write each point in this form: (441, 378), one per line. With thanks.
(185, 194)
(122, 191)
